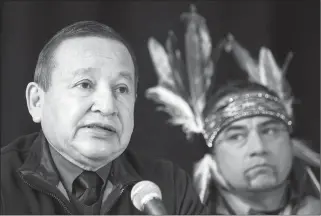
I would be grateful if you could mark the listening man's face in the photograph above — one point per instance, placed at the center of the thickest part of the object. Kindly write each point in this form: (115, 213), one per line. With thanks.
(254, 154)
(88, 111)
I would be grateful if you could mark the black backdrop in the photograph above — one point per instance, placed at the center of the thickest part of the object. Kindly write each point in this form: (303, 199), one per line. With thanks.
(280, 25)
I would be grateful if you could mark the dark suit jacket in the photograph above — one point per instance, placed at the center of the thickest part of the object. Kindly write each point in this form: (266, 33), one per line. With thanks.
(28, 178)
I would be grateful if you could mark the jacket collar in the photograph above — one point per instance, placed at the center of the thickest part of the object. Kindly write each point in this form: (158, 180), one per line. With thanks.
(39, 163)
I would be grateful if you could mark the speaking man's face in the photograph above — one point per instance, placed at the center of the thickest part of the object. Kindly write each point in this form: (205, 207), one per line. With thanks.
(88, 111)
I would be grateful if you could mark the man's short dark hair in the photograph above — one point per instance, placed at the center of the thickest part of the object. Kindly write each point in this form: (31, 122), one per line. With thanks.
(46, 63)
(236, 87)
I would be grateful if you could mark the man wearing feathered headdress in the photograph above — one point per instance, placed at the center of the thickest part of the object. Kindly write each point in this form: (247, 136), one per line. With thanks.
(254, 165)
(252, 156)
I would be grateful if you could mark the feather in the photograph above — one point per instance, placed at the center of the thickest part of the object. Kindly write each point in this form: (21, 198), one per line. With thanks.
(313, 179)
(288, 105)
(206, 47)
(287, 62)
(176, 107)
(273, 77)
(198, 64)
(206, 170)
(303, 152)
(270, 73)
(243, 57)
(161, 63)
(176, 63)
(286, 88)
(202, 177)
(309, 157)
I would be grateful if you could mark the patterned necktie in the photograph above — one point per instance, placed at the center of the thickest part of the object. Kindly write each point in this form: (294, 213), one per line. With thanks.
(87, 187)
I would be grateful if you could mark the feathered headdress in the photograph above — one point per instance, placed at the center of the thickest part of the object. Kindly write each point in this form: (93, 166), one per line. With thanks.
(182, 89)
(266, 72)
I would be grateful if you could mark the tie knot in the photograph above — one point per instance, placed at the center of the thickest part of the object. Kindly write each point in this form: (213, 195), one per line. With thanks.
(89, 179)
(87, 187)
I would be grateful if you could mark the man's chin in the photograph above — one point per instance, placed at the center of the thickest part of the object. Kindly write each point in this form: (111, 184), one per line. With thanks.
(92, 161)
(100, 154)
(94, 148)
(263, 182)
(97, 154)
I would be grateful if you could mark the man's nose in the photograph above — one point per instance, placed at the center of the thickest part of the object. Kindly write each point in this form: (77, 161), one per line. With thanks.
(104, 102)
(256, 145)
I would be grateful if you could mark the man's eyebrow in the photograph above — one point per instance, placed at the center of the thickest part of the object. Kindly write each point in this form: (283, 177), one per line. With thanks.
(82, 71)
(127, 75)
(270, 122)
(234, 128)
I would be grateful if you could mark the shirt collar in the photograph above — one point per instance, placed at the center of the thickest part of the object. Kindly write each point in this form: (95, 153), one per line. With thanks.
(69, 171)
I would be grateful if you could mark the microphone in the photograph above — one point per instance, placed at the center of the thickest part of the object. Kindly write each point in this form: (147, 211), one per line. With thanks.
(147, 197)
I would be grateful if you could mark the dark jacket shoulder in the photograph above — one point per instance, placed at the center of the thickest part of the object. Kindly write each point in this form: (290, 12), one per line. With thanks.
(19, 146)
(15, 153)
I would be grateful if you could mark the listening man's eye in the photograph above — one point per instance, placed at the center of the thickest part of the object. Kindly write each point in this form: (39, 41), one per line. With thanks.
(270, 131)
(273, 129)
(236, 137)
(122, 89)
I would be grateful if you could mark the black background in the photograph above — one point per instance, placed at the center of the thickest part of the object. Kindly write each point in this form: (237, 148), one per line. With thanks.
(282, 26)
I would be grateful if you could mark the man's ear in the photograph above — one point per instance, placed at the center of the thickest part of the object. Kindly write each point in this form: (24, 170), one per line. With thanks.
(34, 97)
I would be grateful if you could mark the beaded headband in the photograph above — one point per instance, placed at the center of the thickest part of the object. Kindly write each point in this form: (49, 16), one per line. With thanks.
(248, 104)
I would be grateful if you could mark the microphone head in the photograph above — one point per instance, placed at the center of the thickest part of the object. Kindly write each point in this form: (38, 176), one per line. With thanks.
(143, 192)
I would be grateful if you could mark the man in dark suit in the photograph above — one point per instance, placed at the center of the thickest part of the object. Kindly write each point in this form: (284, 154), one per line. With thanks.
(83, 95)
